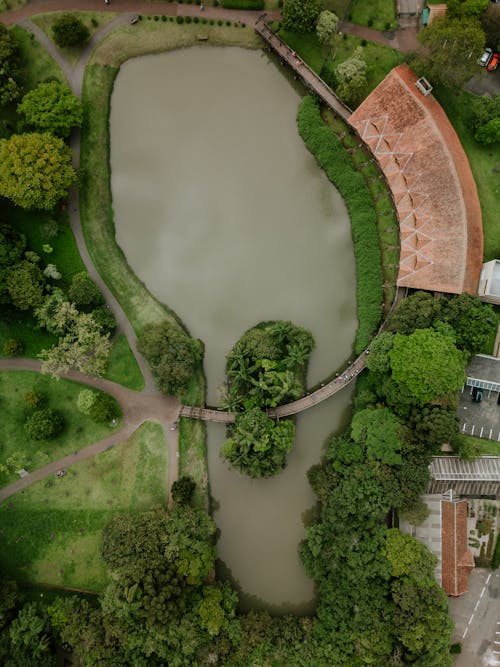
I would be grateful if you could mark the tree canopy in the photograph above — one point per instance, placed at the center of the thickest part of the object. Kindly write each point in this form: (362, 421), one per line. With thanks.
(427, 364)
(301, 15)
(35, 170)
(452, 47)
(351, 78)
(51, 107)
(10, 67)
(70, 31)
(172, 355)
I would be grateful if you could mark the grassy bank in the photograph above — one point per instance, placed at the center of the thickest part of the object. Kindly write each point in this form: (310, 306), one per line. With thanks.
(60, 395)
(51, 533)
(122, 366)
(331, 156)
(484, 162)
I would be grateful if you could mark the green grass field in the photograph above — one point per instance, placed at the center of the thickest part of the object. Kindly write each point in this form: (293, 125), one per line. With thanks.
(377, 14)
(38, 65)
(60, 395)
(483, 447)
(122, 366)
(51, 532)
(484, 162)
(193, 456)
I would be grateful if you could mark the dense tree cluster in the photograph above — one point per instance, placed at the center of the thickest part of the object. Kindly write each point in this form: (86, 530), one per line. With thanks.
(301, 15)
(51, 107)
(70, 31)
(172, 355)
(267, 367)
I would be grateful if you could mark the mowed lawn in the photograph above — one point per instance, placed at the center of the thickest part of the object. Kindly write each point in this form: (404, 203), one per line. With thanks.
(51, 533)
(60, 395)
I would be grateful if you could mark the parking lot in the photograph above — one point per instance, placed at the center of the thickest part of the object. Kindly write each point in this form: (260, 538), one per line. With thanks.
(480, 419)
(477, 620)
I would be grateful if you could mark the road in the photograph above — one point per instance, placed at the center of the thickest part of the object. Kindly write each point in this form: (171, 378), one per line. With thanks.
(477, 620)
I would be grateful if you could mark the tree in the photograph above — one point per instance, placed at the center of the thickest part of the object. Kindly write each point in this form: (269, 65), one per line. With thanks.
(301, 15)
(85, 400)
(69, 31)
(351, 78)
(104, 409)
(489, 133)
(83, 291)
(473, 321)
(51, 107)
(83, 347)
(490, 23)
(418, 311)
(12, 348)
(44, 424)
(35, 170)
(326, 30)
(485, 115)
(10, 66)
(452, 47)
(427, 364)
(258, 446)
(380, 433)
(172, 355)
(378, 360)
(434, 425)
(461, 8)
(183, 490)
(25, 284)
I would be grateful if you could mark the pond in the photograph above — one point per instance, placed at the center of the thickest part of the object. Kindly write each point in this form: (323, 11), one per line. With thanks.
(225, 216)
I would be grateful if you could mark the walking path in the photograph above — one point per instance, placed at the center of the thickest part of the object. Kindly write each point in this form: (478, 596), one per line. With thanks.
(137, 407)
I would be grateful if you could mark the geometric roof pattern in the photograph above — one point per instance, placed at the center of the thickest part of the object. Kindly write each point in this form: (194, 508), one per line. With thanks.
(431, 182)
(450, 468)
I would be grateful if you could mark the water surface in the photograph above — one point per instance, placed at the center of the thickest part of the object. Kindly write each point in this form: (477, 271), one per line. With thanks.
(226, 217)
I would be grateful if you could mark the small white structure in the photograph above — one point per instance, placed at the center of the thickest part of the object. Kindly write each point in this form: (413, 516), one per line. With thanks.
(489, 283)
(424, 86)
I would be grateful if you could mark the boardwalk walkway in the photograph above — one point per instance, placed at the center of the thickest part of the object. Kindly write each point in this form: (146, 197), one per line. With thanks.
(308, 76)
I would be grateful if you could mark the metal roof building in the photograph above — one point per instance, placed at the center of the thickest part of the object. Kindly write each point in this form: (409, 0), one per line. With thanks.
(477, 478)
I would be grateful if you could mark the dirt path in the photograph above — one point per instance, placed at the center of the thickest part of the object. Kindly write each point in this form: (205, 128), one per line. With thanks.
(137, 407)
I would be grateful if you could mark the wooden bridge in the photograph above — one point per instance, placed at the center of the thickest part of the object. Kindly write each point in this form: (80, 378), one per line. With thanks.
(308, 76)
(315, 397)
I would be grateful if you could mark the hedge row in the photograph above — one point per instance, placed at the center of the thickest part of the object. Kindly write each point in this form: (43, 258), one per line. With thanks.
(495, 561)
(332, 157)
(243, 4)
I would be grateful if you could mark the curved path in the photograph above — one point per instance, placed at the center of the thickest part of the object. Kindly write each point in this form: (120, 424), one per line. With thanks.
(137, 407)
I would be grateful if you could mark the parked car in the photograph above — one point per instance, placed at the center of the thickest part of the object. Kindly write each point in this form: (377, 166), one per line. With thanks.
(485, 58)
(493, 64)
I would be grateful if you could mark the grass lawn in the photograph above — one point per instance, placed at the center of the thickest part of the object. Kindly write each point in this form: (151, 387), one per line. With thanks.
(38, 65)
(380, 59)
(93, 21)
(377, 14)
(22, 326)
(122, 366)
(193, 456)
(484, 162)
(483, 447)
(51, 532)
(60, 395)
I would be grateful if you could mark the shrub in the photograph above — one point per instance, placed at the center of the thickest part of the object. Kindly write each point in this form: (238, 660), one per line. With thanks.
(387, 25)
(33, 398)
(183, 490)
(85, 400)
(43, 425)
(364, 42)
(156, 18)
(220, 22)
(196, 20)
(188, 19)
(164, 18)
(370, 22)
(228, 23)
(455, 649)
(180, 19)
(105, 319)
(68, 30)
(83, 291)
(212, 22)
(12, 348)
(94, 22)
(332, 157)
(104, 409)
(495, 561)
(243, 4)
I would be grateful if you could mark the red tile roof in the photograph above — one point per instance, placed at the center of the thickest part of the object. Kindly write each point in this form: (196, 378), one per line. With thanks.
(432, 185)
(457, 560)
